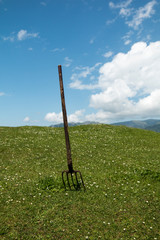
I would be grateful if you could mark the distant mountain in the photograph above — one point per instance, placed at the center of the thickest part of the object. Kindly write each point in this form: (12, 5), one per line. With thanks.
(72, 124)
(134, 124)
(155, 128)
(150, 124)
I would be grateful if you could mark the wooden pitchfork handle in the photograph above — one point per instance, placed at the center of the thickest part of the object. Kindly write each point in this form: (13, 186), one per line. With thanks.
(69, 158)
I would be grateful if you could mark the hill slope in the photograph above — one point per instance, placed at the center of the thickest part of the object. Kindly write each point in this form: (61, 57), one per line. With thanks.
(120, 167)
(155, 128)
(73, 124)
(150, 124)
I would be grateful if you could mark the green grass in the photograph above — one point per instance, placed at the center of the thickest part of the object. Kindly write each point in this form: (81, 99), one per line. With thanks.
(121, 171)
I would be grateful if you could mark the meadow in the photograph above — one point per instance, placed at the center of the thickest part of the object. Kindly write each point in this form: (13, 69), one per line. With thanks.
(121, 171)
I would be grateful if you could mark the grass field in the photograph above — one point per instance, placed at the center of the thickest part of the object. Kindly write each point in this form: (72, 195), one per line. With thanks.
(121, 171)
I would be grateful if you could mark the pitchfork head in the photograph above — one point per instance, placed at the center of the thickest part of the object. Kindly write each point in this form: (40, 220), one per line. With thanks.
(73, 179)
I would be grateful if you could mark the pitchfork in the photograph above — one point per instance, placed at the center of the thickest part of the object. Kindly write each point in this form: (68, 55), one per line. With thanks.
(70, 173)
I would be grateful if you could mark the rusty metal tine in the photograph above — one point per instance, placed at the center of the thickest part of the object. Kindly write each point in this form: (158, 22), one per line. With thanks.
(82, 180)
(73, 181)
(77, 180)
(63, 180)
(68, 180)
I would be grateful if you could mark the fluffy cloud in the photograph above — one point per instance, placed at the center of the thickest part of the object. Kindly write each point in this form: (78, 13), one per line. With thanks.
(127, 42)
(2, 94)
(77, 116)
(57, 50)
(125, 12)
(9, 38)
(92, 40)
(126, 37)
(130, 84)
(43, 4)
(67, 62)
(108, 54)
(142, 13)
(134, 17)
(121, 5)
(23, 34)
(26, 119)
(30, 121)
(54, 117)
(81, 74)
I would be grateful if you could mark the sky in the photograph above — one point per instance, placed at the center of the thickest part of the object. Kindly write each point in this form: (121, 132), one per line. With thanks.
(109, 52)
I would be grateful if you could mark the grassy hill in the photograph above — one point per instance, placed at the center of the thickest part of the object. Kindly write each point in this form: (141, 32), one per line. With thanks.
(121, 171)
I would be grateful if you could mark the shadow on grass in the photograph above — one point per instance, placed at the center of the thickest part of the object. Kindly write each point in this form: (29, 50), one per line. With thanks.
(56, 184)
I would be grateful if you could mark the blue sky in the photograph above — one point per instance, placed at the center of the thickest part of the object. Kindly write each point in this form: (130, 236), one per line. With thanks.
(109, 52)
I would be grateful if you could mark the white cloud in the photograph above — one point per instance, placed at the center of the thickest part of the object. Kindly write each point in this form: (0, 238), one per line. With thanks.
(84, 2)
(57, 50)
(53, 117)
(9, 38)
(125, 12)
(30, 49)
(122, 4)
(2, 94)
(127, 37)
(84, 73)
(92, 40)
(77, 84)
(127, 42)
(43, 4)
(76, 117)
(108, 54)
(100, 116)
(29, 121)
(67, 62)
(26, 119)
(130, 84)
(142, 13)
(134, 17)
(23, 34)
(109, 22)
